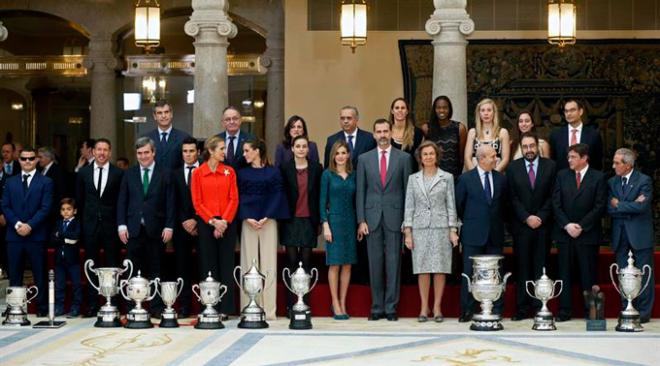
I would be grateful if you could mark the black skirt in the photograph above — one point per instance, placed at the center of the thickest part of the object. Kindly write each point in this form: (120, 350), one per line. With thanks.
(298, 232)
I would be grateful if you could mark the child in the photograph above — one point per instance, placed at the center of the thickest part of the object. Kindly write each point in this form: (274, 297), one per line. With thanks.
(67, 261)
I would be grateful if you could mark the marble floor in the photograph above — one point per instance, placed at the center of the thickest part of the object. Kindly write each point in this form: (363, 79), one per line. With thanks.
(353, 342)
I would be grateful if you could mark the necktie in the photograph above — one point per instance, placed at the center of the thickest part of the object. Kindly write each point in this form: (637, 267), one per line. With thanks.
(25, 181)
(145, 181)
(532, 176)
(98, 184)
(230, 149)
(350, 143)
(383, 167)
(8, 168)
(189, 176)
(487, 188)
(163, 138)
(624, 182)
(65, 224)
(577, 179)
(574, 136)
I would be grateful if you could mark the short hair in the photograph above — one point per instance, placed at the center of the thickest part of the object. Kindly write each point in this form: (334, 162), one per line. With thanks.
(48, 152)
(434, 117)
(29, 148)
(529, 134)
(424, 145)
(189, 140)
(260, 145)
(212, 142)
(231, 107)
(288, 142)
(68, 201)
(336, 146)
(381, 121)
(13, 147)
(88, 142)
(160, 104)
(125, 160)
(105, 141)
(628, 156)
(352, 108)
(481, 151)
(144, 141)
(580, 149)
(580, 105)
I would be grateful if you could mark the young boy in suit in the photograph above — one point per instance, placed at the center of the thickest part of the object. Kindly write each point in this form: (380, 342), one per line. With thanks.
(66, 233)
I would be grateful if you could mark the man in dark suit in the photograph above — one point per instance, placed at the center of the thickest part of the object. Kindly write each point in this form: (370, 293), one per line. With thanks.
(629, 204)
(167, 138)
(97, 192)
(10, 166)
(26, 205)
(382, 177)
(185, 230)
(86, 150)
(579, 200)
(145, 213)
(481, 196)
(51, 169)
(3, 226)
(575, 132)
(234, 137)
(530, 180)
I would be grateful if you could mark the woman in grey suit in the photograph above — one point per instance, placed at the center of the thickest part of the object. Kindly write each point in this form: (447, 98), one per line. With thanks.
(430, 226)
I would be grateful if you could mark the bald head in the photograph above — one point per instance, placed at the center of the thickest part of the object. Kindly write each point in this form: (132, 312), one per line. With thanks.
(486, 157)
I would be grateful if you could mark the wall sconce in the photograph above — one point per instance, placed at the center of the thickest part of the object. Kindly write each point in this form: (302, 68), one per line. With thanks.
(17, 106)
(75, 120)
(353, 23)
(259, 104)
(147, 24)
(561, 22)
(153, 88)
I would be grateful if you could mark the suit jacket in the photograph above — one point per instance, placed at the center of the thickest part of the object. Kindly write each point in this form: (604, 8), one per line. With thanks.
(290, 176)
(635, 217)
(525, 200)
(156, 208)
(435, 209)
(94, 210)
(481, 220)
(373, 201)
(16, 167)
(589, 136)
(57, 175)
(365, 142)
(168, 155)
(66, 241)
(31, 207)
(584, 206)
(238, 161)
(3, 181)
(184, 206)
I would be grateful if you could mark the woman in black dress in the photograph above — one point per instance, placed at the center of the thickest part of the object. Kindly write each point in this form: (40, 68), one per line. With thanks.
(449, 135)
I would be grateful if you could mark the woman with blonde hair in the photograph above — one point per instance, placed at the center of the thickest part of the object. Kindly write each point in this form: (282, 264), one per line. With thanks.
(405, 136)
(487, 131)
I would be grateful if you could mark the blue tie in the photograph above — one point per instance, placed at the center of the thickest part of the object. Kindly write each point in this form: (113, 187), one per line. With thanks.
(624, 180)
(350, 143)
(487, 189)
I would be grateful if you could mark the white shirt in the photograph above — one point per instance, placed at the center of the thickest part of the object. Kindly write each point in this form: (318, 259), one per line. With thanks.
(482, 177)
(354, 134)
(31, 176)
(160, 133)
(578, 134)
(104, 178)
(185, 171)
(47, 168)
(388, 152)
(583, 172)
(237, 137)
(151, 171)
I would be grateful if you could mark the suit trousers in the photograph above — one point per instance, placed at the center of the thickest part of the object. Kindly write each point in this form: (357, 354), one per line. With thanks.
(384, 249)
(575, 257)
(262, 246)
(109, 242)
(146, 253)
(530, 250)
(218, 257)
(183, 245)
(644, 302)
(67, 269)
(467, 300)
(36, 253)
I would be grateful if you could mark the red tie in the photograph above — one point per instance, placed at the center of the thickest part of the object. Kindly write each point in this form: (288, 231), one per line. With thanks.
(577, 179)
(383, 167)
(574, 136)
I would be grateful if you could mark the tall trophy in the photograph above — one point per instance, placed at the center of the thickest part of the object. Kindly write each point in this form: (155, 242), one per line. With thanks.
(51, 323)
(209, 292)
(108, 316)
(169, 291)
(301, 315)
(138, 289)
(253, 316)
(486, 286)
(544, 290)
(16, 300)
(630, 286)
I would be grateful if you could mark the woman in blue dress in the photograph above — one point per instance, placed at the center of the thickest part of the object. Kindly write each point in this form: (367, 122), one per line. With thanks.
(337, 210)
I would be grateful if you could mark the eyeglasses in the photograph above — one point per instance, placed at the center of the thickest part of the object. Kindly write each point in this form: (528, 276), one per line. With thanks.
(30, 158)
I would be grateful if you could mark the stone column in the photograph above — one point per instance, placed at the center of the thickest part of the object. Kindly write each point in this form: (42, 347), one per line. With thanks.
(449, 25)
(211, 28)
(273, 59)
(101, 64)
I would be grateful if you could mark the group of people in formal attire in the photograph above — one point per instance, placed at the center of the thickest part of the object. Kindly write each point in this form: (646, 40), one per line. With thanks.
(430, 189)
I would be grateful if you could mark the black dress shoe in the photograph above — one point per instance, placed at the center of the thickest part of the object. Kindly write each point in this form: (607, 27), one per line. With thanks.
(91, 313)
(376, 316)
(183, 313)
(392, 317)
(42, 314)
(519, 316)
(644, 319)
(465, 317)
(562, 317)
(156, 315)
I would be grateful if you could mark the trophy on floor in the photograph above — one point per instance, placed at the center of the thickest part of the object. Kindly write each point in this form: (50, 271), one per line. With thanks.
(301, 315)
(253, 316)
(169, 292)
(138, 289)
(51, 323)
(486, 286)
(630, 286)
(210, 292)
(17, 300)
(544, 291)
(108, 316)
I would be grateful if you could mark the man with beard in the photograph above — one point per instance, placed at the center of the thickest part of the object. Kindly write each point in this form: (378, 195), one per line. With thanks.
(530, 188)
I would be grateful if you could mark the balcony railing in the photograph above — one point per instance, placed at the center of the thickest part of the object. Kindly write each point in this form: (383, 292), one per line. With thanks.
(43, 65)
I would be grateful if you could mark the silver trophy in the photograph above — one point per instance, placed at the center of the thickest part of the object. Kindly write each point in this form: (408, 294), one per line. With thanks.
(108, 316)
(486, 286)
(253, 316)
(169, 292)
(51, 323)
(138, 289)
(544, 290)
(630, 286)
(209, 293)
(17, 300)
(301, 315)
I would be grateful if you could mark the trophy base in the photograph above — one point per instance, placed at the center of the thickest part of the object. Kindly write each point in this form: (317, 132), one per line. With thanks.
(168, 321)
(486, 323)
(544, 322)
(206, 322)
(301, 319)
(108, 318)
(252, 324)
(47, 324)
(629, 323)
(143, 324)
(138, 320)
(16, 320)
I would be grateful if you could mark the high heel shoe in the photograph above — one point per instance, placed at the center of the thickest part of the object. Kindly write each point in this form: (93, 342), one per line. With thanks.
(338, 316)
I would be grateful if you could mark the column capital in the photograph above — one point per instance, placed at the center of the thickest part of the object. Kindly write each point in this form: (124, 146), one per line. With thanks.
(449, 14)
(101, 56)
(3, 32)
(210, 14)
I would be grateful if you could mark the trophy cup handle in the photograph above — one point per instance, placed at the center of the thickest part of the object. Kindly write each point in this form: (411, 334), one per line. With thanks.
(506, 277)
(179, 282)
(128, 266)
(88, 267)
(36, 292)
(314, 270)
(469, 283)
(561, 287)
(527, 289)
(614, 265)
(286, 274)
(222, 291)
(122, 284)
(154, 282)
(199, 298)
(648, 278)
(236, 278)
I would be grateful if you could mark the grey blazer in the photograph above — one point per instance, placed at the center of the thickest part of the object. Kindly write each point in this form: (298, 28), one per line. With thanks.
(374, 201)
(433, 209)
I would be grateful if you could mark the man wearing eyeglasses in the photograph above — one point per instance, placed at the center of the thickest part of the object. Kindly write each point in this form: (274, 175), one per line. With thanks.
(234, 137)
(574, 132)
(26, 203)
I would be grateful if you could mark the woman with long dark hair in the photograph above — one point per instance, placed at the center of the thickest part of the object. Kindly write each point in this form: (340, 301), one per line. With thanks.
(295, 126)
(526, 124)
